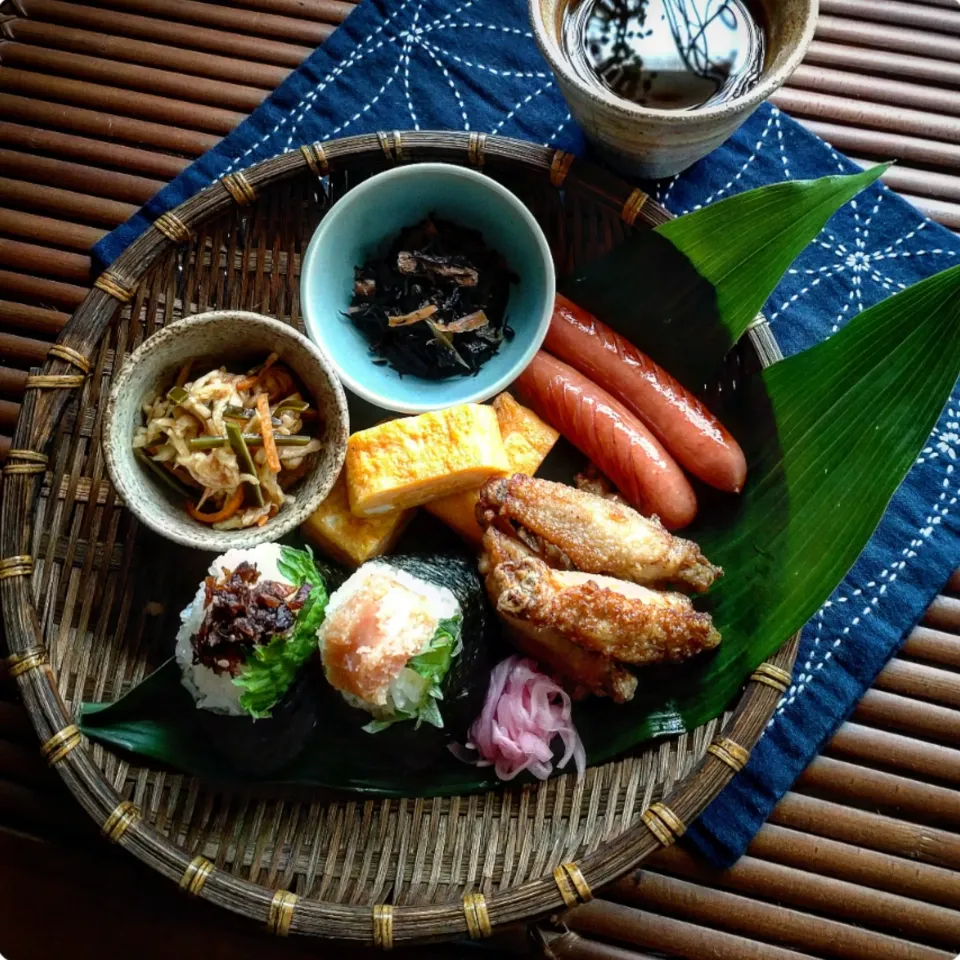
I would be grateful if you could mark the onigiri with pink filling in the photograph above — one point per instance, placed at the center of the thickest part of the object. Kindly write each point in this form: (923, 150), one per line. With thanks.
(404, 641)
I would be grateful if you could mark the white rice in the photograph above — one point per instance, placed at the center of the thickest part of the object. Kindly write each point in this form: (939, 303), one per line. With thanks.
(211, 690)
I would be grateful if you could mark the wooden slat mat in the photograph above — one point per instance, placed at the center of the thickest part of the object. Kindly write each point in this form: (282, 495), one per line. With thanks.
(101, 103)
(861, 861)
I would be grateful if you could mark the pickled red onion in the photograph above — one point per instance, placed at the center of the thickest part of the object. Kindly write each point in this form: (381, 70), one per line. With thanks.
(523, 712)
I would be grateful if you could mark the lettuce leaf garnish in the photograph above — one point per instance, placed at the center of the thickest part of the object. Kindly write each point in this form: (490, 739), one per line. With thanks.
(270, 669)
(432, 663)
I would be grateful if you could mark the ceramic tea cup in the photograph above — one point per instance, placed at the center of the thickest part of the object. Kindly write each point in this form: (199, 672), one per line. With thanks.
(652, 143)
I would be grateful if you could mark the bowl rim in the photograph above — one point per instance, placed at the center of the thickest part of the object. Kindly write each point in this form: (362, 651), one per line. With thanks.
(208, 539)
(357, 194)
(769, 83)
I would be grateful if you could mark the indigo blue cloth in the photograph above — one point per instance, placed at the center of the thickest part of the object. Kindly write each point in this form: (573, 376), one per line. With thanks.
(426, 64)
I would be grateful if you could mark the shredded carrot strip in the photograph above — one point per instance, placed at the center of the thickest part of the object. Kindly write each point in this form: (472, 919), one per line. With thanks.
(248, 383)
(225, 513)
(266, 431)
(183, 374)
(262, 521)
(268, 363)
(277, 382)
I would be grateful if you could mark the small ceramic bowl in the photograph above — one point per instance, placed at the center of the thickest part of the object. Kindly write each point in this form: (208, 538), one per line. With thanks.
(651, 144)
(364, 223)
(211, 340)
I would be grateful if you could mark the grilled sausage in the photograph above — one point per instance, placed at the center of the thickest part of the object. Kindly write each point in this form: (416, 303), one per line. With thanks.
(604, 430)
(684, 425)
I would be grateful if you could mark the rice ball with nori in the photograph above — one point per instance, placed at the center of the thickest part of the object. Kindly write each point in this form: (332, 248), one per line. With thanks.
(241, 646)
(403, 640)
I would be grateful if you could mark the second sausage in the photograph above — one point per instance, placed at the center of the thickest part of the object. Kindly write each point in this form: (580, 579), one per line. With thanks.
(604, 430)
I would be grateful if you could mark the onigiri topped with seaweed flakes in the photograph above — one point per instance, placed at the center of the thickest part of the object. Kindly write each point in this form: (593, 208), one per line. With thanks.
(250, 628)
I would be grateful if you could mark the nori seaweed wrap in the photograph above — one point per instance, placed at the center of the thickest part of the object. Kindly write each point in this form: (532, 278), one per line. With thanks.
(262, 747)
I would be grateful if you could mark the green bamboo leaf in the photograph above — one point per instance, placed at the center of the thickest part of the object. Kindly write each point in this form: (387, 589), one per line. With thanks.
(831, 434)
(156, 719)
(851, 414)
(685, 292)
(764, 231)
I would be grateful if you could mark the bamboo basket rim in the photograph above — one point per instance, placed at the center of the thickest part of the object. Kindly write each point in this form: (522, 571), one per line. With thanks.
(47, 393)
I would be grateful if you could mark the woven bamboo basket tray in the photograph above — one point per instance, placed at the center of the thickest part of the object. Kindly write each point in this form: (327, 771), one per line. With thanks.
(299, 861)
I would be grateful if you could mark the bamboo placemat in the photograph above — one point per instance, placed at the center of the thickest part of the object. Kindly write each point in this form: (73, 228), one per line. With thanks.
(861, 861)
(103, 102)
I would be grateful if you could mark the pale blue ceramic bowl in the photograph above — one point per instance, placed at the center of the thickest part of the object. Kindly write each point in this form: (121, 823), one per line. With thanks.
(365, 221)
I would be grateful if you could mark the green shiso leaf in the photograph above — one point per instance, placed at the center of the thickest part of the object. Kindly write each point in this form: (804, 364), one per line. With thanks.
(375, 726)
(269, 671)
(432, 663)
(271, 668)
(300, 567)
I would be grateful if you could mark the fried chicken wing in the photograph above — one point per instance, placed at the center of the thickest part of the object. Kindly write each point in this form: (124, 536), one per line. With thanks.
(621, 620)
(571, 528)
(499, 547)
(585, 671)
(591, 480)
(570, 575)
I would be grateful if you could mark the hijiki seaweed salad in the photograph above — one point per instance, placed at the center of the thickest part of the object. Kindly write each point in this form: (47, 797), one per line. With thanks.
(435, 304)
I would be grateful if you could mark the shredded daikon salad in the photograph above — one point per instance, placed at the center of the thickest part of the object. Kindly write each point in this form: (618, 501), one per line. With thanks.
(232, 444)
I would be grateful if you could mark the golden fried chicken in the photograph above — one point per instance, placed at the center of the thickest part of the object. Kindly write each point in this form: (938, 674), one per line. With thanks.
(613, 617)
(591, 480)
(571, 575)
(582, 671)
(499, 547)
(587, 670)
(570, 528)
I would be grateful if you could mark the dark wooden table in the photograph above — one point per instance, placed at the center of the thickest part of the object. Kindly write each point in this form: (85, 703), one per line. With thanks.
(101, 103)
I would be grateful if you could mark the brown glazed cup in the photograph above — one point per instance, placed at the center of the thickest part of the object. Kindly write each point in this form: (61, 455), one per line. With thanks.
(650, 144)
